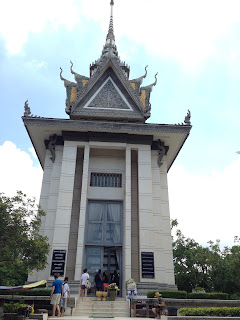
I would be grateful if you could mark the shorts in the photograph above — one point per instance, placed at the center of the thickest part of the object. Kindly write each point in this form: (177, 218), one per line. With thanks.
(55, 298)
(64, 303)
(83, 286)
(159, 308)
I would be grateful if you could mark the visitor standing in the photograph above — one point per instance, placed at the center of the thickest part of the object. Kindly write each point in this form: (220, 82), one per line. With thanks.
(106, 279)
(115, 278)
(66, 296)
(56, 294)
(98, 280)
(84, 278)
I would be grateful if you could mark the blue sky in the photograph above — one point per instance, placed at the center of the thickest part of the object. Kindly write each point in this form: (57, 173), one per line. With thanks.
(195, 48)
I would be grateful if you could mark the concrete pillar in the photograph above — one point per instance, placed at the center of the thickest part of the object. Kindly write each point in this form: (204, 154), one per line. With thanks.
(48, 202)
(146, 240)
(166, 234)
(65, 196)
(83, 207)
(127, 220)
(159, 232)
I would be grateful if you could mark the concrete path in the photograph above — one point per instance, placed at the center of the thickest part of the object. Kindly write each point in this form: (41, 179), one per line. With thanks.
(116, 318)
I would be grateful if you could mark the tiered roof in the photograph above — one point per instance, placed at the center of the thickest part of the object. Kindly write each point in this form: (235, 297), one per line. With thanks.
(108, 93)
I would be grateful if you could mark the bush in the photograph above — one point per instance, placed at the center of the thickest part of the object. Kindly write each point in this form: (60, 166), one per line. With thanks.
(208, 295)
(212, 312)
(198, 289)
(234, 296)
(15, 307)
(33, 292)
(168, 294)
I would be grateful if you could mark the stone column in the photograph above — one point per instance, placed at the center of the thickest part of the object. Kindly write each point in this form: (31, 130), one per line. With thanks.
(127, 220)
(159, 232)
(166, 236)
(83, 207)
(48, 202)
(146, 240)
(65, 196)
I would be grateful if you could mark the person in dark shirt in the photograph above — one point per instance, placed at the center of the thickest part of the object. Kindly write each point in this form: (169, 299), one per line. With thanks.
(99, 280)
(158, 308)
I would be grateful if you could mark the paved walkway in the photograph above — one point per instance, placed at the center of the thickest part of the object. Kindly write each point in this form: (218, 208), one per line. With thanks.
(117, 318)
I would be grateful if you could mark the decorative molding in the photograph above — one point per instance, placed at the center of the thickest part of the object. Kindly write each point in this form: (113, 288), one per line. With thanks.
(27, 110)
(155, 146)
(161, 152)
(51, 146)
(187, 121)
(188, 118)
(107, 126)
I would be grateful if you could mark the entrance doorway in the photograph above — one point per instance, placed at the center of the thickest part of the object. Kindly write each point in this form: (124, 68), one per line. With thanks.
(103, 238)
(104, 258)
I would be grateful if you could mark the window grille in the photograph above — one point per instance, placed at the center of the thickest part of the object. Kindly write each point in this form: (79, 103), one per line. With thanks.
(112, 180)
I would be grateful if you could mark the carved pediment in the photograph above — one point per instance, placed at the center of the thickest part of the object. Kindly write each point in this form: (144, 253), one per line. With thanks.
(108, 96)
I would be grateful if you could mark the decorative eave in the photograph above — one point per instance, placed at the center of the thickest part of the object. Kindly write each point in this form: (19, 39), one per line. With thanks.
(40, 129)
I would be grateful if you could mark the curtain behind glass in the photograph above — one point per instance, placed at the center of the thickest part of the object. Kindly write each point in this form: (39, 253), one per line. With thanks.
(95, 211)
(94, 233)
(114, 212)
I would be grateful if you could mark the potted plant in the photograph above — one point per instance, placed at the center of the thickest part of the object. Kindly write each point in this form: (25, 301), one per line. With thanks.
(131, 284)
(112, 289)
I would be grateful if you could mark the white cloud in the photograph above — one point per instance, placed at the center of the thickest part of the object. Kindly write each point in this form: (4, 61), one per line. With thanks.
(206, 207)
(185, 30)
(35, 64)
(33, 152)
(19, 18)
(17, 172)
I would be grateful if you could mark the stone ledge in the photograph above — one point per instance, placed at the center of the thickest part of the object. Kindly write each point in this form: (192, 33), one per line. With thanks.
(200, 318)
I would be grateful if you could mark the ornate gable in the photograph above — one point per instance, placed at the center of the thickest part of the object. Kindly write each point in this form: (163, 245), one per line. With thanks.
(108, 95)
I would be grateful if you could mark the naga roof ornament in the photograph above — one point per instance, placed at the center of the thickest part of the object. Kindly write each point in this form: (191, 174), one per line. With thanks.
(145, 93)
(136, 83)
(66, 82)
(78, 77)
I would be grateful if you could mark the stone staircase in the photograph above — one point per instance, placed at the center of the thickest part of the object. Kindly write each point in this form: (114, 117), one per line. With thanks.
(93, 308)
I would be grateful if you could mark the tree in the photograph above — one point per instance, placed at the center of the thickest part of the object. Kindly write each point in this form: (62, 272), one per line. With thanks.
(22, 248)
(211, 268)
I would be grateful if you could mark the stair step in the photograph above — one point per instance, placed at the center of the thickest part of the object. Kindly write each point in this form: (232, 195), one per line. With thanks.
(93, 308)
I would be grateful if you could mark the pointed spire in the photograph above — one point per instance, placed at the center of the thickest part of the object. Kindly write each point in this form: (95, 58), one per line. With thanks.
(110, 48)
(110, 34)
